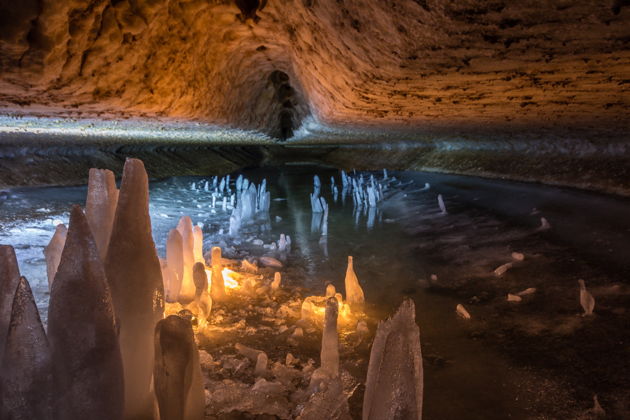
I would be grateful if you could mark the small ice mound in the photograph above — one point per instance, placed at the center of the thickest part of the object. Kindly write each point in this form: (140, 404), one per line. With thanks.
(517, 256)
(544, 225)
(527, 292)
(462, 312)
(513, 298)
(501, 270)
(586, 299)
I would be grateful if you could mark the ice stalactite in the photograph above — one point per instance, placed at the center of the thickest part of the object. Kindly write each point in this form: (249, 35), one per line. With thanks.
(330, 339)
(217, 286)
(135, 278)
(9, 280)
(177, 372)
(100, 206)
(198, 245)
(26, 381)
(86, 356)
(394, 384)
(354, 292)
(586, 299)
(175, 262)
(52, 252)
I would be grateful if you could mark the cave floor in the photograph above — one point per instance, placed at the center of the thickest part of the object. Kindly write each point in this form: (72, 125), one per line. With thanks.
(537, 358)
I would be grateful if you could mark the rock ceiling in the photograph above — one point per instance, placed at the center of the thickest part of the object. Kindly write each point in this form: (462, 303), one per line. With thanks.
(424, 63)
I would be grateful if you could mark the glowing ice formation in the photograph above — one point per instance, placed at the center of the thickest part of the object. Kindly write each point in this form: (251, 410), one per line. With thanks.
(87, 371)
(217, 286)
(354, 292)
(100, 206)
(9, 280)
(135, 278)
(26, 381)
(198, 245)
(175, 264)
(330, 339)
(177, 373)
(52, 252)
(586, 299)
(277, 279)
(394, 384)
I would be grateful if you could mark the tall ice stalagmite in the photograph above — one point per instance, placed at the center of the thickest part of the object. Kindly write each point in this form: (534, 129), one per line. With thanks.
(26, 386)
(187, 290)
(100, 206)
(86, 359)
(198, 244)
(330, 339)
(354, 292)
(135, 279)
(52, 252)
(394, 384)
(175, 259)
(217, 286)
(9, 279)
(177, 373)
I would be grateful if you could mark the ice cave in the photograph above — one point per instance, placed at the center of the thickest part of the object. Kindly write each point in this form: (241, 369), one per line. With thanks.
(314, 209)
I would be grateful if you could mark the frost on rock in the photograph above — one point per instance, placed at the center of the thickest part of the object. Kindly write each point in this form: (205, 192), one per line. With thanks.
(177, 372)
(52, 252)
(354, 292)
(100, 206)
(135, 279)
(86, 357)
(26, 386)
(9, 280)
(394, 384)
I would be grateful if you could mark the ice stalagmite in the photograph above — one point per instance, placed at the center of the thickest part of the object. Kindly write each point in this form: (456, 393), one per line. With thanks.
(177, 373)
(217, 287)
(100, 206)
(441, 204)
(9, 279)
(52, 252)
(330, 339)
(586, 299)
(394, 384)
(198, 244)
(175, 258)
(133, 272)
(354, 293)
(171, 283)
(203, 303)
(86, 358)
(187, 290)
(26, 386)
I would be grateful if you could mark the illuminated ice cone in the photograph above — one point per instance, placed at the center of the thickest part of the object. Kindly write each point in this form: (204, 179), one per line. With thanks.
(586, 299)
(9, 280)
(135, 278)
(86, 357)
(175, 257)
(277, 279)
(198, 245)
(177, 372)
(100, 207)
(330, 339)
(26, 380)
(52, 252)
(185, 228)
(354, 293)
(187, 289)
(394, 385)
(217, 287)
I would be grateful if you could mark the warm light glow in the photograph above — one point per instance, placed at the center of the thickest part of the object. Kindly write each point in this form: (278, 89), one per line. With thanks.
(229, 278)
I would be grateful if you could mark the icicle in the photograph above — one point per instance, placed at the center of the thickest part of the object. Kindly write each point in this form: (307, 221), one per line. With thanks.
(586, 299)
(394, 386)
(52, 252)
(384, 173)
(193, 187)
(135, 279)
(239, 183)
(354, 292)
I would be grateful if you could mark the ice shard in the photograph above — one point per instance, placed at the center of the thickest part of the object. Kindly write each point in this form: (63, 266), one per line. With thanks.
(354, 292)
(586, 299)
(394, 384)
(217, 287)
(177, 372)
(86, 357)
(135, 279)
(100, 206)
(52, 252)
(198, 244)
(330, 339)
(9, 280)
(26, 382)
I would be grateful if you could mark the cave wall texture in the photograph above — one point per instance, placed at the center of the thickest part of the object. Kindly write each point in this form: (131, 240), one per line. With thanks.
(473, 85)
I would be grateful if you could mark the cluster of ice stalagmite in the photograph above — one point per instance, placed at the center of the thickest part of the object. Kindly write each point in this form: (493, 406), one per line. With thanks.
(252, 202)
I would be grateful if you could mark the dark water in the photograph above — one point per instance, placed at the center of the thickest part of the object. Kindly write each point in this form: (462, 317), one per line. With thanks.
(515, 361)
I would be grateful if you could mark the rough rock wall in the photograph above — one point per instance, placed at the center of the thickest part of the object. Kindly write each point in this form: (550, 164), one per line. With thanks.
(383, 62)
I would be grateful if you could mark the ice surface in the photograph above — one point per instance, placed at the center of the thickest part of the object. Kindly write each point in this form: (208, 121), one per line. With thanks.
(135, 278)
(177, 372)
(52, 252)
(330, 339)
(87, 363)
(9, 280)
(26, 382)
(354, 292)
(586, 299)
(394, 384)
(100, 206)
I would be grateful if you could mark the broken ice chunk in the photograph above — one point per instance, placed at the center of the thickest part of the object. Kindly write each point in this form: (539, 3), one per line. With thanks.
(513, 298)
